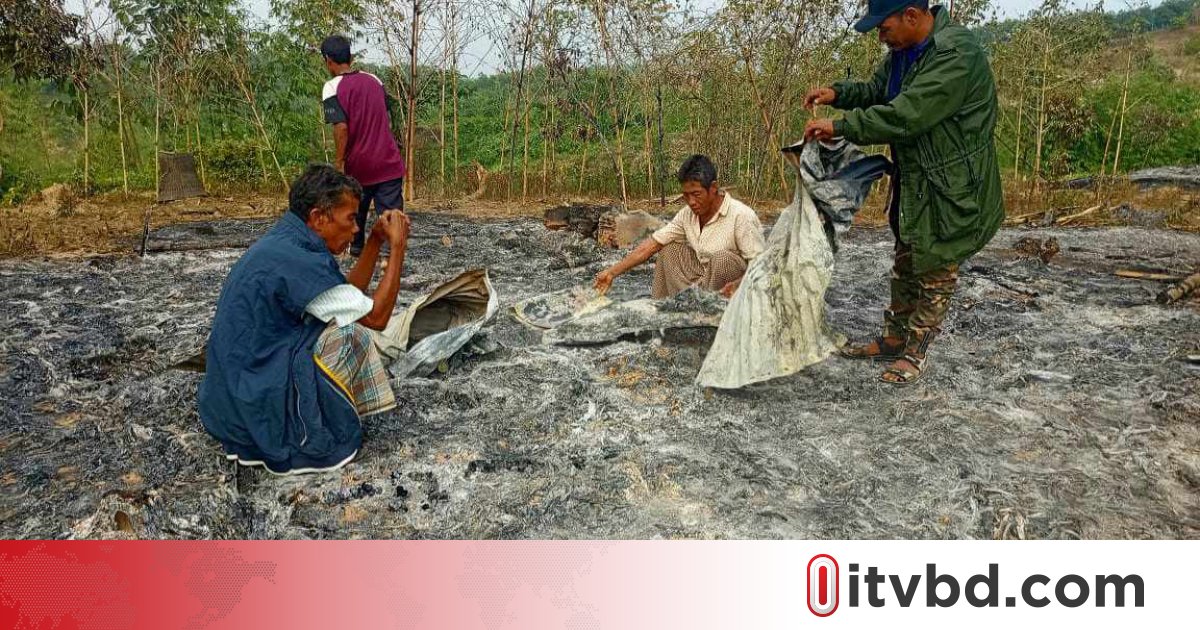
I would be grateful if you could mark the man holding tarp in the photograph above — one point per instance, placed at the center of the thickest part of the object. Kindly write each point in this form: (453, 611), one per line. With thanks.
(291, 366)
(708, 243)
(933, 99)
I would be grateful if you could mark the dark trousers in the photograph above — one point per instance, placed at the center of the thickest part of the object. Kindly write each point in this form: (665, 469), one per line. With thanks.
(387, 195)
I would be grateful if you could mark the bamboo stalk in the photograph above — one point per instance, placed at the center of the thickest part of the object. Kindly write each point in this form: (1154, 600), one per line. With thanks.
(1124, 109)
(410, 132)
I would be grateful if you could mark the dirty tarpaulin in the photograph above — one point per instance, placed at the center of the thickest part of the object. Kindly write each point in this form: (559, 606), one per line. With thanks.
(578, 316)
(838, 176)
(437, 324)
(775, 324)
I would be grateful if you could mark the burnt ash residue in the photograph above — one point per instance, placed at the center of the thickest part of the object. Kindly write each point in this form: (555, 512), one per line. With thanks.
(1059, 404)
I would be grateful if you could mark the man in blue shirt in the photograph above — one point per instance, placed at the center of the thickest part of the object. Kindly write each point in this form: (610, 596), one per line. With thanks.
(291, 367)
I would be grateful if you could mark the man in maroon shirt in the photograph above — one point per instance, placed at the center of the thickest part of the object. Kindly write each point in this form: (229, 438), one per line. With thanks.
(355, 104)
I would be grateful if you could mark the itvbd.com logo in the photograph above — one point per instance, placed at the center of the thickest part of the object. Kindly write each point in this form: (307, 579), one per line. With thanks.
(943, 591)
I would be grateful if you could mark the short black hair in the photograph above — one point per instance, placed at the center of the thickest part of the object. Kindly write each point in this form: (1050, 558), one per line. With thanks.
(336, 48)
(320, 187)
(698, 168)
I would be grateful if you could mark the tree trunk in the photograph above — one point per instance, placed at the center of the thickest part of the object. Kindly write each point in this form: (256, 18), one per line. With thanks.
(1104, 160)
(1041, 129)
(87, 143)
(600, 9)
(410, 128)
(117, 62)
(200, 151)
(324, 138)
(442, 132)
(1124, 108)
(1020, 117)
(662, 186)
(157, 129)
(583, 165)
(525, 158)
(547, 132)
(646, 151)
(454, 96)
(454, 80)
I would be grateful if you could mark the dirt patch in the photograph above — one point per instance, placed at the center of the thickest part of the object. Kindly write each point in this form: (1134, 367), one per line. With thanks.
(1060, 404)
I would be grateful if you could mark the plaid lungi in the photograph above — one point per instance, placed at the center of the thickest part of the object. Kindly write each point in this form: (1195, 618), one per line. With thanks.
(678, 267)
(347, 356)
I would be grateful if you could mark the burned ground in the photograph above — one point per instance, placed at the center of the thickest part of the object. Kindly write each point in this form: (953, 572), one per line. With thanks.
(1061, 403)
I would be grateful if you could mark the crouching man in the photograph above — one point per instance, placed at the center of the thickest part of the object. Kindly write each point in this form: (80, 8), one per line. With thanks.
(709, 243)
(291, 367)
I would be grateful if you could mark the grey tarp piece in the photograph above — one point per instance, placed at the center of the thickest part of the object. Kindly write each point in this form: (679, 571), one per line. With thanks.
(775, 324)
(838, 176)
(437, 324)
(578, 317)
(551, 310)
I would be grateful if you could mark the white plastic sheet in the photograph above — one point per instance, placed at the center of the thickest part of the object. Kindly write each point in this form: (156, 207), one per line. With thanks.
(438, 324)
(775, 324)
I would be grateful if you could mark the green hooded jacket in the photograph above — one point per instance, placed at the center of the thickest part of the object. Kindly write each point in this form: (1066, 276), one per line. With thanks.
(940, 125)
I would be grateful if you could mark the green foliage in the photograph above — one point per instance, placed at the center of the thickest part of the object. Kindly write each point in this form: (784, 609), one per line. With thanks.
(195, 76)
(234, 161)
(1192, 46)
(35, 38)
(1168, 14)
(1167, 129)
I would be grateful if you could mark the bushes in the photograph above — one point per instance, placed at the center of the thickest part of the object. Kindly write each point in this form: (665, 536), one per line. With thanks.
(232, 162)
(1192, 46)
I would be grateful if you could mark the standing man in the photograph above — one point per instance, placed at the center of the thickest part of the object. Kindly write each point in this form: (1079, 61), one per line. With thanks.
(933, 99)
(355, 104)
(709, 242)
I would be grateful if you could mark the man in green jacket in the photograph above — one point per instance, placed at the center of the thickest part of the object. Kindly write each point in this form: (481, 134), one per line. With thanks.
(933, 99)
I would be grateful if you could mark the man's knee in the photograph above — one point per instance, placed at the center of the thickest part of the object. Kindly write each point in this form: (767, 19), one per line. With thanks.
(728, 259)
(674, 251)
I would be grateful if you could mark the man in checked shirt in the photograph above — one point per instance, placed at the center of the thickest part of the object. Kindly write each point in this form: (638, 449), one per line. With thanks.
(709, 243)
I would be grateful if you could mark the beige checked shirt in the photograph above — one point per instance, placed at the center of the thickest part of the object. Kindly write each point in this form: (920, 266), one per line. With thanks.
(735, 228)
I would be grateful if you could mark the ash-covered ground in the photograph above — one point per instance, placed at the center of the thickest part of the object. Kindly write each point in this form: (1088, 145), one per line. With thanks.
(1061, 403)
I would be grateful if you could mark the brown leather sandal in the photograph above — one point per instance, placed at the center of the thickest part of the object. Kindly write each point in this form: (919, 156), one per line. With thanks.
(876, 350)
(896, 375)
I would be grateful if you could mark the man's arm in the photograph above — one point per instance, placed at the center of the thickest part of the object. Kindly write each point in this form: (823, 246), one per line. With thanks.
(396, 226)
(934, 95)
(340, 135)
(640, 254)
(336, 116)
(364, 268)
(856, 94)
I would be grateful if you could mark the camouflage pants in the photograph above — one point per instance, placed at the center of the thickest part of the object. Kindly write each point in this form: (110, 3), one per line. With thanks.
(919, 301)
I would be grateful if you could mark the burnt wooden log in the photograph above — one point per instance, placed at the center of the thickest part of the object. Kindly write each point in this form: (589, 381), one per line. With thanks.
(579, 218)
(1177, 292)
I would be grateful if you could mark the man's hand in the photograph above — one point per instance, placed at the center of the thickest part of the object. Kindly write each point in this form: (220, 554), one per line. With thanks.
(379, 232)
(396, 225)
(819, 96)
(731, 288)
(818, 129)
(604, 280)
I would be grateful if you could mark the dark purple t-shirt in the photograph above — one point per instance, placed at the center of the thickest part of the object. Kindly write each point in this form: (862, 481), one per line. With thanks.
(358, 99)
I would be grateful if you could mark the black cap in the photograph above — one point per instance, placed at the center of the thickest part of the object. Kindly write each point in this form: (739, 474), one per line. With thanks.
(880, 10)
(336, 48)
